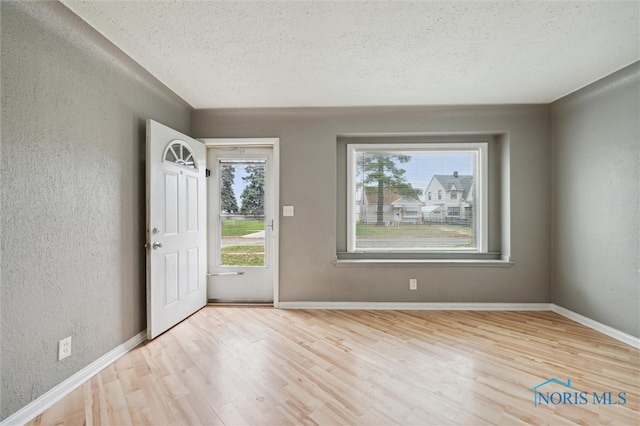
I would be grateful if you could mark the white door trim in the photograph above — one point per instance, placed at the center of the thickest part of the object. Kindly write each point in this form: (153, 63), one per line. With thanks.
(274, 143)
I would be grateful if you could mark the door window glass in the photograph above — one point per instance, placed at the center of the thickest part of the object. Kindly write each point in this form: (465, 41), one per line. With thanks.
(178, 152)
(242, 213)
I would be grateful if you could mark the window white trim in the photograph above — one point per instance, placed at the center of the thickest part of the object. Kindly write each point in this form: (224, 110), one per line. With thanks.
(481, 192)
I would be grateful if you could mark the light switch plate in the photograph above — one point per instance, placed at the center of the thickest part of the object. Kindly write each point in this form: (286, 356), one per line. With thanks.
(287, 210)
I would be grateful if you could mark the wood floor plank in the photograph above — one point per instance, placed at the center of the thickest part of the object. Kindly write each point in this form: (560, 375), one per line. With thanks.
(240, 365)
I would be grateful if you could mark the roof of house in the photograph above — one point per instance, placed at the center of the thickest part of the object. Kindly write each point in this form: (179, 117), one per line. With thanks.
(433, 209)
(461, 183)
(405, 201)
(388, 195)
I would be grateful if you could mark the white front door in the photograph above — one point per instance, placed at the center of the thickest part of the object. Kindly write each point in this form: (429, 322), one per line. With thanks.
(176, 227)
(241, 224)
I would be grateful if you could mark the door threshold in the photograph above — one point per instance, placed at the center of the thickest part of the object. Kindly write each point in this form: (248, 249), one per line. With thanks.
(240, 303)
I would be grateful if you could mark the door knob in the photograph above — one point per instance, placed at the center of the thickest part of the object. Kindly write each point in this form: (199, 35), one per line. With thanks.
(156, 245)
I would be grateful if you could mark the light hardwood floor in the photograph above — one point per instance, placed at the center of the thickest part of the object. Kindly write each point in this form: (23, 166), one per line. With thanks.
(242, 365)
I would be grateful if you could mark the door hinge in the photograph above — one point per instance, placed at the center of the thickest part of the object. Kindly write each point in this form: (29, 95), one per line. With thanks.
(207, 172)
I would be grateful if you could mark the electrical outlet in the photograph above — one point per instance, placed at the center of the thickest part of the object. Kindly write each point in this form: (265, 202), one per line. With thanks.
(64, 348)
(413, 284)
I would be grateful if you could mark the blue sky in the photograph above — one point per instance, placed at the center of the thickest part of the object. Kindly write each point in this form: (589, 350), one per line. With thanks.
(419, 170)
(422, 166)
(238, 183)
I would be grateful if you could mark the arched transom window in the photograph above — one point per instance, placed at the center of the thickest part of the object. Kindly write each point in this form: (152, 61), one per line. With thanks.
(178, 152)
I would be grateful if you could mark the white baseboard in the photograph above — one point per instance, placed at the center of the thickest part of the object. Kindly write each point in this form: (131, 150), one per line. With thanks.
(36, 407)
(598, 326)
(413, 306)
(399, 306)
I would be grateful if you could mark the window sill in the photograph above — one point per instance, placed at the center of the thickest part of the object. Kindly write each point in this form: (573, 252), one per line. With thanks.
(438, 262)
(445, 259)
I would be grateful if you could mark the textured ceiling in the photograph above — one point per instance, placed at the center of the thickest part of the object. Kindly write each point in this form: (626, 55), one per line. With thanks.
(218, 54)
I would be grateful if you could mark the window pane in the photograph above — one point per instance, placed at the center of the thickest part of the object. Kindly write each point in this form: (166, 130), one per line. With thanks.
(395, 207)
(242, 213)
(180, 154)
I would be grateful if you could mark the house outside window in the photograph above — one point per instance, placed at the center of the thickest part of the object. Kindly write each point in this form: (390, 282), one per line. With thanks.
(412, 211)
(390, 186)
(454, 194)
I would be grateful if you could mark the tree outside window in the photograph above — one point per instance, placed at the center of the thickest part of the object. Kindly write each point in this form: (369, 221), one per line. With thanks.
(252, 197)
(227, 195)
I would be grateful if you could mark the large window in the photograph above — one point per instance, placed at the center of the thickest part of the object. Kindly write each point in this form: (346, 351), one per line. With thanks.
(389, 203)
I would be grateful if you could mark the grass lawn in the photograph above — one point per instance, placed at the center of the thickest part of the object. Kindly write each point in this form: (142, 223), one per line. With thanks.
(433, 230)
(238, 228)
(243, 255)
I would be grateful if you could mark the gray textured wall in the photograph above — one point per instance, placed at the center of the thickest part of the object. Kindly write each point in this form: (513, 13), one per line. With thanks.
(308, 167)
(72, 191)
(596, 201)
(73, 111)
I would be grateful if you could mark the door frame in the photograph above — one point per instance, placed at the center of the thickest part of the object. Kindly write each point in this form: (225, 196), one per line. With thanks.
(274, 144)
